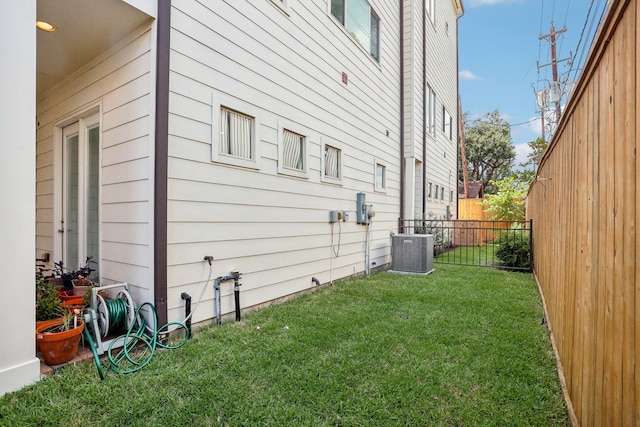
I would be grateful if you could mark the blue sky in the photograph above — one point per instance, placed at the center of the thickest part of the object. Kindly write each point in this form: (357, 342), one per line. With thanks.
(499, 53)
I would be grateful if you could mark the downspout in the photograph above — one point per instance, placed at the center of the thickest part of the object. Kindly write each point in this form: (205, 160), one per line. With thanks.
(460, 125)
(424, 109)
(161, 158)
(402, 165)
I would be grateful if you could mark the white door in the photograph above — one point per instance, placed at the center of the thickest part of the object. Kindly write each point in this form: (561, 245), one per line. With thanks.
(80, 194)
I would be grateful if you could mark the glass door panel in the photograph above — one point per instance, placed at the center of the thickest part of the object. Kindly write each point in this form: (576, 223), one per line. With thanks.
(70, 217)
(92, 238)
(81, 194)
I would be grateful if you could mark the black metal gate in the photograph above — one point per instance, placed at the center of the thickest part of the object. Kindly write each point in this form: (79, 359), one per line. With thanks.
(499, 244)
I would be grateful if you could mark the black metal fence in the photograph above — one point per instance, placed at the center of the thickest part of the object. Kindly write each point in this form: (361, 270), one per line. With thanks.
(500, 244)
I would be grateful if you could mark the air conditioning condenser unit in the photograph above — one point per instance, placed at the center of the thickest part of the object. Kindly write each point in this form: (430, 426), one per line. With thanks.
(412, 253)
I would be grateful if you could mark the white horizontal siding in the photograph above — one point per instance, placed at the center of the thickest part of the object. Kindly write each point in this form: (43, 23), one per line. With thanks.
(440, 153)
(442, 71)
(272, 227)
(119, 83)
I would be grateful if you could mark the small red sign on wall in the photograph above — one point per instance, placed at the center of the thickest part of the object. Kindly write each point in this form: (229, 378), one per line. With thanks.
(344, 78)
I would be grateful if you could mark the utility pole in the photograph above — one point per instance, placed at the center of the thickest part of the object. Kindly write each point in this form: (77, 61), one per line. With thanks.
(555, 88)
(463, 151)
(542, 119)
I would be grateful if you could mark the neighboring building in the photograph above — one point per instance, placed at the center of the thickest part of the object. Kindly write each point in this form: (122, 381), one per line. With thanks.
(232, 128)
(476, 190)
(431, 108)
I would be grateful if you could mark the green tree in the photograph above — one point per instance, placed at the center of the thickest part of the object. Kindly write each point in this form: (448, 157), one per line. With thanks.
(490, 151)
(538, 148)
(527, 171)
(508, 203)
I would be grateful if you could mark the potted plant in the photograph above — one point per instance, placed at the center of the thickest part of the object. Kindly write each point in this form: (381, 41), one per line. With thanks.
(58, 341)
(48, 302)
(81, 276)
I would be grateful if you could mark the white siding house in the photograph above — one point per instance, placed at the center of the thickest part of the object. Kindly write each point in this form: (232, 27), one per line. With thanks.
(167, 131)
(431, 110)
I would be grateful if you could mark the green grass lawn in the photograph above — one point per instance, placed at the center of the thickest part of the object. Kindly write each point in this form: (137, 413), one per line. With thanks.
(460, 347)
(470, 255)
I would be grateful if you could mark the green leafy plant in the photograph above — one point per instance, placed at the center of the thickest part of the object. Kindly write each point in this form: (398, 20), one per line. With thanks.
(48, 304)
(514, 247)
(508, 203)
(69, 320)
(59, 270)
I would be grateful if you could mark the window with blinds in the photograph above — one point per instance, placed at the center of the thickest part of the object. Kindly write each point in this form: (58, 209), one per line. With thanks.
(293, 145)
(331, 162)
(431, 112)
(381, 177)
(236, 134)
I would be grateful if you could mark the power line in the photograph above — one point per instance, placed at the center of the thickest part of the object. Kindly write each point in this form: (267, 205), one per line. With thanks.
(523, 123)
(586, 21)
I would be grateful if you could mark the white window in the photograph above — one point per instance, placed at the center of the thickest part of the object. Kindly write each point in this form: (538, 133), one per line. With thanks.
(361, 22)
(431, 112)
(441, 193)
(380, 177)
(447, 123)
(331, 163)
(292, 149)
(283, 5)
(435, 196)
(430, 6)
(451, 196)
(429, 191)
(235, 132)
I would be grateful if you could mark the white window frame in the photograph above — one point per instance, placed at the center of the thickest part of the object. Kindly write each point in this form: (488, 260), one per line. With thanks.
(330, 179)
(447, 125)
(430, 6)
(283, 5)
(302, 131)
(220, 100)
(379, 187)
(344, 25)
(431, 112)
(429, 190)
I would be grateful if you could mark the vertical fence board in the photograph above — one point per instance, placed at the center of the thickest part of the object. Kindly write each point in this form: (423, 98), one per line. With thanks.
(626, 140)
(637, 218)
(601, 230)
(589, 268)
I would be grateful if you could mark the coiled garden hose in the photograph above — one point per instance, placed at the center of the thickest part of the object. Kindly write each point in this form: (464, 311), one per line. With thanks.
(140, 341)
(139, 336)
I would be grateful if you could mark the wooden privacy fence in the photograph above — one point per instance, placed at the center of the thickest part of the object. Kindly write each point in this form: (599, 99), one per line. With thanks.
(473, 209)
(584, 206)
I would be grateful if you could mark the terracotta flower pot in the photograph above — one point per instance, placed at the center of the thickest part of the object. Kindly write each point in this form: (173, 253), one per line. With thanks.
(58, 347)
(43, 323)
(68, 295)
(81, 289)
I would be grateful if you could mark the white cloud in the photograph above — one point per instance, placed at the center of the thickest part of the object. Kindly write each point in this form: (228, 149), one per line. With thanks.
(522, 150)
(468, 75)
(474, 3)
(535, 125)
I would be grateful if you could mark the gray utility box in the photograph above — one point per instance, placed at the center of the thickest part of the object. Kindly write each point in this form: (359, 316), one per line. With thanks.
(412, 253)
